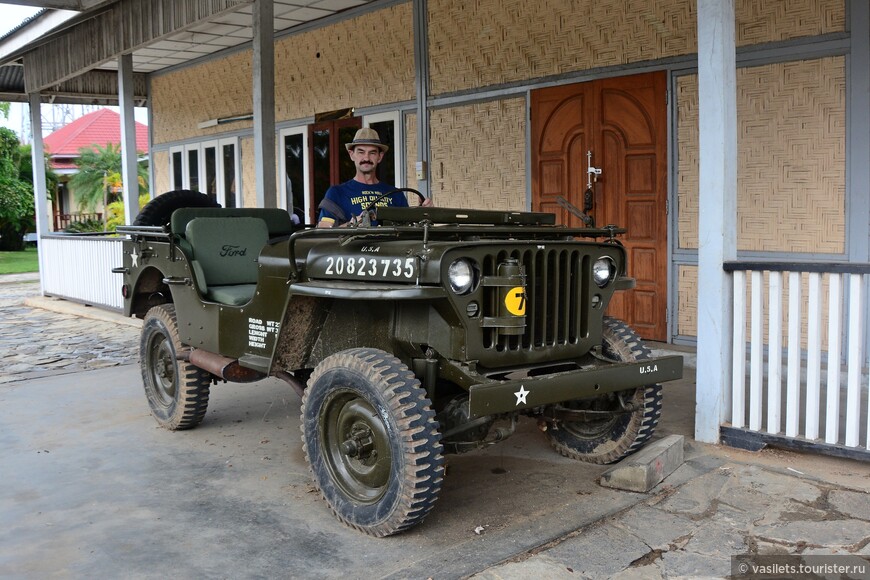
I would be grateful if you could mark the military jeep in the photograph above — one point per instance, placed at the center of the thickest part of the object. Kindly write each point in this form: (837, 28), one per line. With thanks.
(431, 333)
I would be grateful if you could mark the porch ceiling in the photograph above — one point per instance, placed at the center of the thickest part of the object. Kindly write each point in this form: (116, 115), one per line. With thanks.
(66, 64)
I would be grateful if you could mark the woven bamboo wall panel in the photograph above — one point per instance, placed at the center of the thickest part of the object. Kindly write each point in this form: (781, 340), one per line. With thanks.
(791, 153)
(478, 155)
(411, 154)
(687, 162)
(160, 162)
(361, 62)
(211, 90)
(487, 42)
(776, 20)
(249, 172)
(687, 300)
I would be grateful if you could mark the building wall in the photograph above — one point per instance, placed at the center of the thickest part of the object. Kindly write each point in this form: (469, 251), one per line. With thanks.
(160, 162)
(791, 179)
(791, 114)
(411, 152)
(478, 155)
(249, 172)
(493, 42)
(215, 89)
(356, 63)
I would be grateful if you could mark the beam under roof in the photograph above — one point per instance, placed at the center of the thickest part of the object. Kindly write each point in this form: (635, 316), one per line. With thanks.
(119, 28)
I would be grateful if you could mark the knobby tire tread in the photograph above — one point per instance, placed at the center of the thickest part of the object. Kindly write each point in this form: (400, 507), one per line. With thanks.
(417, 430)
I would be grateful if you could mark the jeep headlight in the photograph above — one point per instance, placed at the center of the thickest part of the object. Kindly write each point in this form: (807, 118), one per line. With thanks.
(460, 274)
(603, 271)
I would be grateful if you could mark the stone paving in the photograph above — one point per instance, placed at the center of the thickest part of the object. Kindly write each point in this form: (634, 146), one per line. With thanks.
(35, 342)
(706, 512)
(720, 502)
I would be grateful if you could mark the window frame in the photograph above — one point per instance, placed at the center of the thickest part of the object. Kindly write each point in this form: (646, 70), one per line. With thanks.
(397, 147)
(282, 167)
(200, 148)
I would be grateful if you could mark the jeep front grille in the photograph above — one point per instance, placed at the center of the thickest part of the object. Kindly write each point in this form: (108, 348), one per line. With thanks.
(557, 296)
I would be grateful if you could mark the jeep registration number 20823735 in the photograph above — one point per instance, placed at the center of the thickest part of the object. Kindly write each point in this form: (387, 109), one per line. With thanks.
(371, 267)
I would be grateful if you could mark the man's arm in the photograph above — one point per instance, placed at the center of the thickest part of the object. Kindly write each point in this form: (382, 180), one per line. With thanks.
(330, 211)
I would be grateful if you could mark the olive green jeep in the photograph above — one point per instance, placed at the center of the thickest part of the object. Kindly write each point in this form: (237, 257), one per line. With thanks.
(432, 333)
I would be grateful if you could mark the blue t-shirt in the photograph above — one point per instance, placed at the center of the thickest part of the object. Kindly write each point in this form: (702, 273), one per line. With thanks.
(353, 197)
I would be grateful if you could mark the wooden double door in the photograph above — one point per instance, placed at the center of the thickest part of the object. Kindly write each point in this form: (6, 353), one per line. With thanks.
(623, 123)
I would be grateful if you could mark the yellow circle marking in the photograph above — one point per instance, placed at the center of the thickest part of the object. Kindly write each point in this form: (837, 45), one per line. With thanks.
(515, 301)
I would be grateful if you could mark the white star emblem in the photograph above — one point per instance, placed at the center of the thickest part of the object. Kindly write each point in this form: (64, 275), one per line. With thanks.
(135, 257)
(521, 395)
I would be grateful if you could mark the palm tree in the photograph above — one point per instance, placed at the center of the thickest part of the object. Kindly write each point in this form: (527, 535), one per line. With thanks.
(99, 173)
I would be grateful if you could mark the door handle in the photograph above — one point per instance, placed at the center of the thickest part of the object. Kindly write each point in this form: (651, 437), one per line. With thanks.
(592, 173)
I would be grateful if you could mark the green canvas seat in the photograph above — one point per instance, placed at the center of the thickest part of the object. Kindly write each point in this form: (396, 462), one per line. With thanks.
(223, 252)
(278, 221)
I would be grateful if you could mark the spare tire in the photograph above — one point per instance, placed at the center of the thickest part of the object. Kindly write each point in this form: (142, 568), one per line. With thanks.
(158, 211)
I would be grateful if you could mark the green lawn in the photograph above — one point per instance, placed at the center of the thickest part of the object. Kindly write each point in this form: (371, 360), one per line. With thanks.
(18, 262)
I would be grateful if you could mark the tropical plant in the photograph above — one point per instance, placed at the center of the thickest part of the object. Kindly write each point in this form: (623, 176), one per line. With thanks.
(16, 194)
(115, 211)
(99, 176)
(25, 167)
(85, 226)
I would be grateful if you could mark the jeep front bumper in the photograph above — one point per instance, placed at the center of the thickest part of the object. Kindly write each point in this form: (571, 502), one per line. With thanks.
(492, 398)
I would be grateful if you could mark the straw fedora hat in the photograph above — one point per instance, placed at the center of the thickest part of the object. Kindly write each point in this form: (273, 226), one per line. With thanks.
(367, 136)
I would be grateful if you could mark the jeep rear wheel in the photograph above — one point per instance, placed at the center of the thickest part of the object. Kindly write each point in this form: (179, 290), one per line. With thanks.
(372, 442)
(616, 434)
(177, 391)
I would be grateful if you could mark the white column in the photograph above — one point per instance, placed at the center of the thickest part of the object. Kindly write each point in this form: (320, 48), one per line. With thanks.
(718, 209)
(264, 103)
(40, 194)
(129, 157)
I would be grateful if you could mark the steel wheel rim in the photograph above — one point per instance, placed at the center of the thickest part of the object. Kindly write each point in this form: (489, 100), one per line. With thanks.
(592, 429)
(161, 362)
(356, 447)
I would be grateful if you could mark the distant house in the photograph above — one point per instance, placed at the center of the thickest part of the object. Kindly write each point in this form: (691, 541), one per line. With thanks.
(101, 127)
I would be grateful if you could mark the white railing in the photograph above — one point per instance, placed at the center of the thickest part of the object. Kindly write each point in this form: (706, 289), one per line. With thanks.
(79, 268)
(821, 320)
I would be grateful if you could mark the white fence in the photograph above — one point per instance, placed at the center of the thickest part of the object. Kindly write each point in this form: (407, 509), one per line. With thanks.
(804, 374)
(79, 268)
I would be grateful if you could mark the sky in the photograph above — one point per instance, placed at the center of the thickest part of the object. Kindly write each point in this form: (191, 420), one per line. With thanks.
(19, 114)
(14, 15)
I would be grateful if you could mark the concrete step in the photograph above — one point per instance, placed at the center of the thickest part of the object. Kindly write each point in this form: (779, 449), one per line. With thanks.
(648, 467)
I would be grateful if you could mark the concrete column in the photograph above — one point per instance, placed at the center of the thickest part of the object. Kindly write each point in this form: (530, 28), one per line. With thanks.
(421, 74)
(129, 157)
(718, 210)
(40, 194)
(264, 103)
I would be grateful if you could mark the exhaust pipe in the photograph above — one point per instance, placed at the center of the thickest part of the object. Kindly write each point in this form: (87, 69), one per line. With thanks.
(225, 368)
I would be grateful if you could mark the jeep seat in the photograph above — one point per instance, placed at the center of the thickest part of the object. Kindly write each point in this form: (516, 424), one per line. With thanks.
(223, 254)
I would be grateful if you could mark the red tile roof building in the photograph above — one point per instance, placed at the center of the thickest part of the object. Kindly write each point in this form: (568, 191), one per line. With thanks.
(101, 127)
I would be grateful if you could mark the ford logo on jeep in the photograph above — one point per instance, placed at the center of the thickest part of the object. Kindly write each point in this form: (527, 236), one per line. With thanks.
(230, 250)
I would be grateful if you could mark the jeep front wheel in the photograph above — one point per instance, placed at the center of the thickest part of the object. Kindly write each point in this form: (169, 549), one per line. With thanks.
(615, 432)
(177, 391)
(371, 440)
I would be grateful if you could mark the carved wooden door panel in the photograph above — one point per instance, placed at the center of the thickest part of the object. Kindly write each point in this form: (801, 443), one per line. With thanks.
(623, 122)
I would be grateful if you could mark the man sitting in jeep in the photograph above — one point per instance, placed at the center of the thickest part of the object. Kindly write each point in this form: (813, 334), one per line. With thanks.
(346, 202)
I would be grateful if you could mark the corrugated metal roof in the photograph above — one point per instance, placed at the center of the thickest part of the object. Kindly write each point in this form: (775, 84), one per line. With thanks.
(11, 79)
(23, 23)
